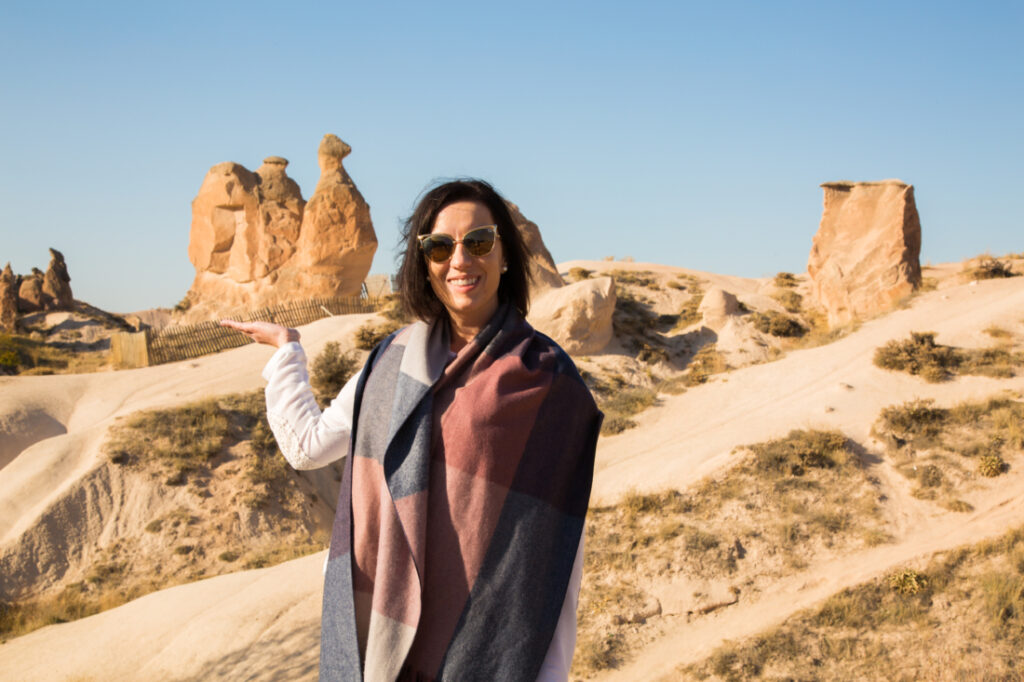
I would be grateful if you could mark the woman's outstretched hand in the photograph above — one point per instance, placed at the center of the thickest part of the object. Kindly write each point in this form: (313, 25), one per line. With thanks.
(264, 332)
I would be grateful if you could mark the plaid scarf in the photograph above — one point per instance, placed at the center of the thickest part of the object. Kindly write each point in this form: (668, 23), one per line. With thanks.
(461, 507)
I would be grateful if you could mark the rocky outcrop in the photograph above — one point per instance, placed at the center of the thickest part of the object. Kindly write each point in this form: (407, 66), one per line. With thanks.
(254, 241)
(542, 266)
(717, 307)
(578, 316)
(31, 297)
(337, 242)
(57, 283)
(8, 300)
(865, 255)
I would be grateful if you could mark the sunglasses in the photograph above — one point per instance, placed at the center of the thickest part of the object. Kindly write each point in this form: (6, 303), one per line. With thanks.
(439, 247)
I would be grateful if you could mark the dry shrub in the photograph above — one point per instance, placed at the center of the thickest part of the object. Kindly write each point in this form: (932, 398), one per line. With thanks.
(801, 450)
(790, 300)
(579, 274)
(777, 324)
(706, 362)
(919, 355)
(620, 406)
(689, 314)
(785, 280)
(370, 334)
(992, 268)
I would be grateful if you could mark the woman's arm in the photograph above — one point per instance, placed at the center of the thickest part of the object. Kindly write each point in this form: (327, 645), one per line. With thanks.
(308, 437)
(558, 660)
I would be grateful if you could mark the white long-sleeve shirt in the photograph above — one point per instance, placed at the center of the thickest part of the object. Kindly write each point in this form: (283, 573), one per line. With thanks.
(311, 438)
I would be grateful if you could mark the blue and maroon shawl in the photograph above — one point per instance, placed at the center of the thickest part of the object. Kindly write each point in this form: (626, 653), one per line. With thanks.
(461, 507)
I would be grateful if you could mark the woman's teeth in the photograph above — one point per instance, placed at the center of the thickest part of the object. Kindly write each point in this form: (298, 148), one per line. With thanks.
(464, 281)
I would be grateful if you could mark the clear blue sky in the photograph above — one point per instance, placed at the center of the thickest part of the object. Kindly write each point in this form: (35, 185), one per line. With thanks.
(691, 134)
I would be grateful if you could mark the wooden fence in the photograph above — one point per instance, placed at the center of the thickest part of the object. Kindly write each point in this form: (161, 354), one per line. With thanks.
(181, 343)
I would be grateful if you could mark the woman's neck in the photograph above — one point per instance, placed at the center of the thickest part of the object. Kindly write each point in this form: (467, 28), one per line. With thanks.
(461, 334)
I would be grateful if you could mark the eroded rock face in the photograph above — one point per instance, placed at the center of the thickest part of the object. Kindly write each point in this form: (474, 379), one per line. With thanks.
(542, 266)
(254, 240)
(57, 283)
(578, 316)
(865, 256)
(8, 300)
(31, 298)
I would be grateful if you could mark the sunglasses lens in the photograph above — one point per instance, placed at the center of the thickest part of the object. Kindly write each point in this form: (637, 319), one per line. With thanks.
(438, 248)
(479, 242)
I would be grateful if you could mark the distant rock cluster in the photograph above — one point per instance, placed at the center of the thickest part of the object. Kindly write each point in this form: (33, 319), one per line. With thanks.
(255, 241)
(866, 255)
(34, 292)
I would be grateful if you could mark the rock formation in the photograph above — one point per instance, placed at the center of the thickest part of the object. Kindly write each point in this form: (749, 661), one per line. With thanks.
(717, 307)
(57, 283)
(31, 298)
(8, 300)
(578, 316)
(865, 254)
(254, 241)
(337, 242)
(542, 266)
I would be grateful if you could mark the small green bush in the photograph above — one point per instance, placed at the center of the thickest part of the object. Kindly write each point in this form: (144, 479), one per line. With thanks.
(184, 549)
(228, 556)
(10, 358)
(907, 581)
(329, 372)
(991, 465)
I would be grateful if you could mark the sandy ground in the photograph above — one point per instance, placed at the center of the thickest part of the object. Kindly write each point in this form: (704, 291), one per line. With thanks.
(264, 624)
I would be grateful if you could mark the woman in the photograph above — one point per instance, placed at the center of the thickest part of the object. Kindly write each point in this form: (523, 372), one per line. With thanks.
(456, 550)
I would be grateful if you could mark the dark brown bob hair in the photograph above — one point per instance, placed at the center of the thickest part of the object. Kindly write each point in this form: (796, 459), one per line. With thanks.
(417, 296)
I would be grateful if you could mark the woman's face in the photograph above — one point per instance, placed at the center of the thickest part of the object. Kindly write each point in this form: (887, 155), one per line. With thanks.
(467, 285)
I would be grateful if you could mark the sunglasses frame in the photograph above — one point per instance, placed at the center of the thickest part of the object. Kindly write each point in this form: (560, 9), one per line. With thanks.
(425, 238)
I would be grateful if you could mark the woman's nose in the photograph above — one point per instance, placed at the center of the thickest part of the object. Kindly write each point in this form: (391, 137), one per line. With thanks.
(460, 255)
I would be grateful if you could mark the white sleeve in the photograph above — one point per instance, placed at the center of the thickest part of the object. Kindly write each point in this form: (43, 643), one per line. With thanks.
(558, 660)
(308, 437)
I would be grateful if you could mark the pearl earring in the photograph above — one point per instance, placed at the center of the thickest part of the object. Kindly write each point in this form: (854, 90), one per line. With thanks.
(504, 268)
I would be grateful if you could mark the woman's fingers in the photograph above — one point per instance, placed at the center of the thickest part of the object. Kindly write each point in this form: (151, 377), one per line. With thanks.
(263, 332)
